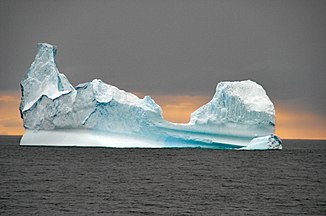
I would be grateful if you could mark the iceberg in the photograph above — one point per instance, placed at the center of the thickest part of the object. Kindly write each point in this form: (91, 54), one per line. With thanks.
(95, 114)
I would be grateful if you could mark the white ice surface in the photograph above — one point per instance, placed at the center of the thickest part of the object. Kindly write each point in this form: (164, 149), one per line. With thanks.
(241, 102)
(43, 78)
(263, 143)
(85, 138)
(99, 114)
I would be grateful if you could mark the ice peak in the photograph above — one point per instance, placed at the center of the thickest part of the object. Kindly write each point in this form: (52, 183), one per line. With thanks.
(41, 45)
(43, 78)
(46, 52)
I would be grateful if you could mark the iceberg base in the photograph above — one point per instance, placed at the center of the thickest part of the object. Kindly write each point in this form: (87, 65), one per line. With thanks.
(91, 138)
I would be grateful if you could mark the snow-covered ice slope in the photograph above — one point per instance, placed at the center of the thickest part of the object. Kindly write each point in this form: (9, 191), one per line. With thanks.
(239, 116)
(237, 108)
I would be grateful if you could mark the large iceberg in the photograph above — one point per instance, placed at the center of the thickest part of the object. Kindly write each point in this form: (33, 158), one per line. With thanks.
(239, 116)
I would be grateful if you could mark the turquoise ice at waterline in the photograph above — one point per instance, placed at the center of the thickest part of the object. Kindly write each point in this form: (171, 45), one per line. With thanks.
(239, 116)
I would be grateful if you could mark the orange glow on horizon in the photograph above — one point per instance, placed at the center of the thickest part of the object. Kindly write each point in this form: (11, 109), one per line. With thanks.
(10, 121)
(296, 124)
(179, 108)
(290, 124)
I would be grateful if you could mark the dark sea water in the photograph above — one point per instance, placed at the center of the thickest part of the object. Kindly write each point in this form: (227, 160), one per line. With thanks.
(105, 181)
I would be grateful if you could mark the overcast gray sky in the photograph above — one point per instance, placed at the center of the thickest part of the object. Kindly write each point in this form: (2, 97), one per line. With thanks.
(174, 47)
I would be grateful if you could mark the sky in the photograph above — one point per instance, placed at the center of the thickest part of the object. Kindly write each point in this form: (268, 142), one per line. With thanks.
(175, 51)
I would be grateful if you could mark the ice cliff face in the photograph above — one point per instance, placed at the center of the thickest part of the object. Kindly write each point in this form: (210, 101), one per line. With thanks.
(242, 105)
(43, 78)
(243, 102)
(104, 107)
(50, 102)
(238, 112)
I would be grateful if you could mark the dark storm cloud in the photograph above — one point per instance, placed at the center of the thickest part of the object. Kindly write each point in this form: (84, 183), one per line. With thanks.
(174, 47)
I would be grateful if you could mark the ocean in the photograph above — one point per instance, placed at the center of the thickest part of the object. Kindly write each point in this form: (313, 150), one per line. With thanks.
(107, 181)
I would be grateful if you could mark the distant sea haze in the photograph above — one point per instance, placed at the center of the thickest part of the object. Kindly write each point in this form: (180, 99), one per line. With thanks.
(108, 181)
